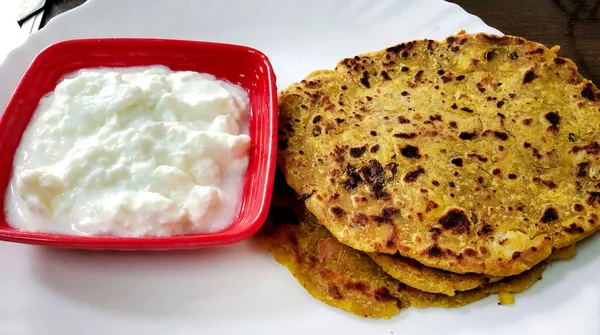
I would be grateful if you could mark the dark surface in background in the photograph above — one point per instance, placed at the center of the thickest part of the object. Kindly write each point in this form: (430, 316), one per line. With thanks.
(56, 7)
(572, 24)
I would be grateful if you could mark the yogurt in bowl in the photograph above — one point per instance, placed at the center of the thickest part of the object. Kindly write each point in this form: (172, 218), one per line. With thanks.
(139, 144)
(132, 152)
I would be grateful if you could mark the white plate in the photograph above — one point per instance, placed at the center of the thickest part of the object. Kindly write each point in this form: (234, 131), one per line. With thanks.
(12, 35)
(241, 289)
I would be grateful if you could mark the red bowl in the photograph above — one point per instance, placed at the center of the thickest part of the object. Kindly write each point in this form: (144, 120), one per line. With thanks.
(240, 65)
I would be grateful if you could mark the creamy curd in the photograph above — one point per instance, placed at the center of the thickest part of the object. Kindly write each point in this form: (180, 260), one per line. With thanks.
(132, 152)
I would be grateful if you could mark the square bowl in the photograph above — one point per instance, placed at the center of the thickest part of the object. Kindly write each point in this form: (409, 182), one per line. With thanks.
(239, 65)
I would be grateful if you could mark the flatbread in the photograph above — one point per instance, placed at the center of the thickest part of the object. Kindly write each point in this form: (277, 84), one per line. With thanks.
(419, 276)
(432, 280)
(348, 279)
(477, 154)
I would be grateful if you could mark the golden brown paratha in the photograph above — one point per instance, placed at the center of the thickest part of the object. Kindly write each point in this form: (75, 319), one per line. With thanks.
(412, 273)
(476, 154)
(419, 276)
(403, 269)
(348, 279)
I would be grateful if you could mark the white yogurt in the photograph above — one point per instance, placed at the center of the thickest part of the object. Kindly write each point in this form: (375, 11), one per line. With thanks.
(132, 152)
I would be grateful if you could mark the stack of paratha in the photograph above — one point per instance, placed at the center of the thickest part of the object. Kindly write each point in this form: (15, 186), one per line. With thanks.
(435, 173)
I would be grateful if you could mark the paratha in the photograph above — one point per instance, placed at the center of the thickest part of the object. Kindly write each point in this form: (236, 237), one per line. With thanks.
(476, 154)
(403, 269)
(419, 276)
(348, 279)
(432, 280)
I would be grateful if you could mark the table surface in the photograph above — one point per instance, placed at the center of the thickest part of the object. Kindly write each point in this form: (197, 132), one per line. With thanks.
(572, 24)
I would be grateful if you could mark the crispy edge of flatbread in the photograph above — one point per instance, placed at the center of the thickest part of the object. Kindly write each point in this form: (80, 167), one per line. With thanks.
(432, 280)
